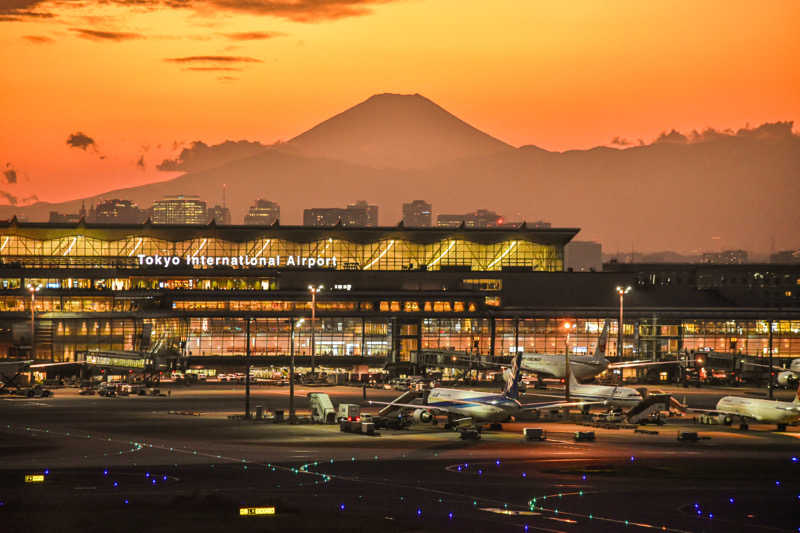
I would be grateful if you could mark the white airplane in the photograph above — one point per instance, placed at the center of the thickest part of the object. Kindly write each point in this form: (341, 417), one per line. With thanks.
(581, 366)
(9, 370)
(756, 409)
(469, 409)
(787, 377)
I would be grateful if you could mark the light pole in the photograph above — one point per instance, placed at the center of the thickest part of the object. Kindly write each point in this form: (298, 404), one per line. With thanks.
(622, 291)
(295, 325)
(567, 326)
(33, 288)
(313, 290)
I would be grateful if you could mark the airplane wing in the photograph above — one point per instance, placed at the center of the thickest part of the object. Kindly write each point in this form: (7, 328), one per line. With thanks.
(46, 365)
(638, 364)
(556, 405)
(4, 364)
(762, 365)
(792, 408)
(433, 409)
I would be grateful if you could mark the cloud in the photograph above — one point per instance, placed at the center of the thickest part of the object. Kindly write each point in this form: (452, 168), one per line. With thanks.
(213, 59)
(96, 35)
(306, 11)
(227, 78)
(38, 39)
(81, 140)
(30, 199)
(620, 141)
(672, 137)
(200, 156)
(253, 35)
(214, 69)
(140, 162)
(10, 197)
(10, 174)
(769, 131)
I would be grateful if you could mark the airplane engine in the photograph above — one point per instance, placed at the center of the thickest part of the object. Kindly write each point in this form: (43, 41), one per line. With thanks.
(787, 378)
(725, 419)
(422, 416)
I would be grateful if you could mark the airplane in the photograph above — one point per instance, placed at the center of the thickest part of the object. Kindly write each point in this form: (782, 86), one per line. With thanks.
(466, 409)
(787, 377)
(755, 409)
(10, 370)
(581, 366)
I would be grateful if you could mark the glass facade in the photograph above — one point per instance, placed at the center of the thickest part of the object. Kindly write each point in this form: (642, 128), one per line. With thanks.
(385, 254)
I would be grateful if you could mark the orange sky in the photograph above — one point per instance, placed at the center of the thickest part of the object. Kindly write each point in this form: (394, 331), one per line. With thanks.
(556, 74)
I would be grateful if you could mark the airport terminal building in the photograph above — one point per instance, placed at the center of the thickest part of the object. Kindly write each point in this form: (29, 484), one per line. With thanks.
(215, 295)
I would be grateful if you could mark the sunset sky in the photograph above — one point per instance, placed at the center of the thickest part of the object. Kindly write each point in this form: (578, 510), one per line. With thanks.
(143, 78)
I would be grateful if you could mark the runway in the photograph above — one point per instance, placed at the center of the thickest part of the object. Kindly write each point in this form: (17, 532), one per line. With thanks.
(186, 472)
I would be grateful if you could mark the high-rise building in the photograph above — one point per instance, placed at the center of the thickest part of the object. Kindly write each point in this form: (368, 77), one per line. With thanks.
(116, 211)
(330, 216)
(180, 209)
(220, 215)
(417, 214)
(726, 257)
(263, 212)
(60, 218)
(372, 212)
(482, 218)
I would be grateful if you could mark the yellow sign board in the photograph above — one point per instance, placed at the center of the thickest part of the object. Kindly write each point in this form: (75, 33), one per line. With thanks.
(256, 511)
(34, 478)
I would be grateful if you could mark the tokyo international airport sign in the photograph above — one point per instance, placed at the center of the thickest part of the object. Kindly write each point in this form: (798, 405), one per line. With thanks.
(273, 261)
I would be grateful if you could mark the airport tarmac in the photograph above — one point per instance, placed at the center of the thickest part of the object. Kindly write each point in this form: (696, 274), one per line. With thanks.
(181, 472)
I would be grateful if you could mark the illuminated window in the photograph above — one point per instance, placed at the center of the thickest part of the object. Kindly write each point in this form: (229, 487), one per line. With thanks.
(458, 307)
(411, 307)
(493, 301)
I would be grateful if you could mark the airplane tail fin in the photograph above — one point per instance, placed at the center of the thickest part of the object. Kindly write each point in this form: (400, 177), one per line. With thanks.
(602, 341)
(512, 376)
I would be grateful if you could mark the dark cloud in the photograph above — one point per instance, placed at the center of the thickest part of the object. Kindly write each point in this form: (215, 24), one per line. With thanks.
(294, 10)
(214, 69)
(253, 35)
(9, 197)
(38, 39)
(620, 141)
(30, 199)
(81, 140)
(769, 131)
(140, 162)
(19, 10)
(213, 59)
(200, 156)
(672, 137)
(96, 35)
(10, 174)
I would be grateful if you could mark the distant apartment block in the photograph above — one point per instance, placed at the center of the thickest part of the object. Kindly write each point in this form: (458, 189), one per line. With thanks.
(60, 218)
(180, 209)
(417, 214)
(727, 257)
(482, 218)
(116, 211)
(786, 257)
(262, 213)
(330, 216)
(372, 212)
(583, 256)
(220, 215)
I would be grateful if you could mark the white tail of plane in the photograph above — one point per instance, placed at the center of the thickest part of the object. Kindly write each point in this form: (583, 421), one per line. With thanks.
(602, 341)
(512, 376)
